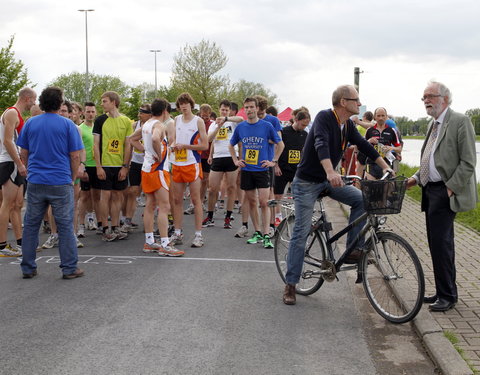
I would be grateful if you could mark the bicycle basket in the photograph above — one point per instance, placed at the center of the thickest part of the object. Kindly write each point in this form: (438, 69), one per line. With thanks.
(383, 197)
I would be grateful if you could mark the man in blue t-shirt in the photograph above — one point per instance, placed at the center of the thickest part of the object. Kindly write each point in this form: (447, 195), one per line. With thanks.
(50, 147)
(254, 136)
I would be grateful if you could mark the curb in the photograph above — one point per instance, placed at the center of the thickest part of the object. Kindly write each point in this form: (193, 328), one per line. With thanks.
(441, 350)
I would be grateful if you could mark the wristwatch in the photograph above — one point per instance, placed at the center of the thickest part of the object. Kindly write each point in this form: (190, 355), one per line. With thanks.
(125, 166)
(275, 161)
(226, 118)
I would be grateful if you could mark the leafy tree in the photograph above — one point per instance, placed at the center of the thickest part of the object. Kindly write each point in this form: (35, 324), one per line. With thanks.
(472, 112)
(195, 70)
(13, 76)
(240, 90)
(474, 115)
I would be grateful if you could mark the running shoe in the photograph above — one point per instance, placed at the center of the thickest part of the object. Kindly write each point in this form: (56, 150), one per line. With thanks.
(208, 222)
(91, 224)
(151, 247)
(51, 241)
(46, 227)
(109, 236)
(267, 242)
(81, 231)
(170, 251)
(190, 210)
(121, 235)
(242, 232)
(271, 232)
(176, 239)
(126, 228)
(79, 244)
(9, 251)
(197, 241)
(257, 237)
(227, 224)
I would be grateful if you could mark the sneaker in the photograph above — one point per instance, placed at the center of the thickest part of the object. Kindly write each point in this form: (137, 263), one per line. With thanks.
(267, 242)
(277, 221)
(141, 201)
(133, 225)
(176, 239)
(81, 231)
(99, 231)
(151, 248)
(271, 232)
(208, 222)
(221, 205)
(197, 241)
(91, 224)
(156, 234)
(227, 224)
(190, 210)
(170, 251)
(236, 206)
(79, 244)
(9, 251)
(46, 227)
(77, 273)
(257, 237)
(121, 235)
(126, 228)
(109, 236)
(51, 241)
(242, 232)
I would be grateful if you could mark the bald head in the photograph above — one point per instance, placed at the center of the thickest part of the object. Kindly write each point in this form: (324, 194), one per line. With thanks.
(26, 98)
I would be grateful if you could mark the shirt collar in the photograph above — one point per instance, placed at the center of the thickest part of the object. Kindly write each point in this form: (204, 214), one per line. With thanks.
(442, 116)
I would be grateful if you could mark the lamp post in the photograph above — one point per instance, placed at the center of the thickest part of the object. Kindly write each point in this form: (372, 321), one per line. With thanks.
(87, 96)
(155, 52)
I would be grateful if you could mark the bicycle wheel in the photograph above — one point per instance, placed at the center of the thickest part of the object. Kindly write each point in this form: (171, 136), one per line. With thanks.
(310, 279)
(393, 277)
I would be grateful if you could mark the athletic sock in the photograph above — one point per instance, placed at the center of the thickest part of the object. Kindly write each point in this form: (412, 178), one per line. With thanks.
(165, 241)
(245, 224)
(210, 214)
(3, 245)
(229, 213)
(149, 238)
(105, 229)
(19, 242)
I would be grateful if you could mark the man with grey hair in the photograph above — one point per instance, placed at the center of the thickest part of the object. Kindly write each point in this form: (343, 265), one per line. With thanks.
(447, 178)
(331, 132)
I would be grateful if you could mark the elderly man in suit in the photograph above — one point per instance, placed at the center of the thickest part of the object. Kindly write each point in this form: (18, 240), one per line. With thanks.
(447, 177)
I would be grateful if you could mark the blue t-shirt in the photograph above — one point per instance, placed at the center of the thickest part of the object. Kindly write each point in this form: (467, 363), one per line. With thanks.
(254, 138)
(49, 138)
(277, 126)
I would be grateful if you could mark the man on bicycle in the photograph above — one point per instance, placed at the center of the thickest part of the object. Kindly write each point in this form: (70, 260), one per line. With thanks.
(331, 132)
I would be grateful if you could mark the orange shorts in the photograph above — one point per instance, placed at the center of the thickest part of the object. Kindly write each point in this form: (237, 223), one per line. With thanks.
(153, 181)
(186, 173)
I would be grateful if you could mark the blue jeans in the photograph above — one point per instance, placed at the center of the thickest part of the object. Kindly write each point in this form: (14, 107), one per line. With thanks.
(60, 197)
(305, 194)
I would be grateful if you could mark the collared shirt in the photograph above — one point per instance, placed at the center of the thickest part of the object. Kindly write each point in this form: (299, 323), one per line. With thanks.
(433, 175)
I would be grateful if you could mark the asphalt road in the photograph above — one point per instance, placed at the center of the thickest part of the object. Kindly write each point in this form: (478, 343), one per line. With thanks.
(217, 310)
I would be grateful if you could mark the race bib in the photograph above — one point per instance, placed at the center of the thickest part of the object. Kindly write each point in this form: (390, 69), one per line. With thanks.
(115, 146)
(138, 151)
(181, 155)
(293, 156)
(251, 156)
(222, 134)
(378, 147)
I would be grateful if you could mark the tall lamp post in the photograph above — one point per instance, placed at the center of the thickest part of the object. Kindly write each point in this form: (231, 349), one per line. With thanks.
(87, 94)
(155, 52)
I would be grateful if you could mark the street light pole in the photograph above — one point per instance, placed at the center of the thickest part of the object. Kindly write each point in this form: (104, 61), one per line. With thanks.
(155, 52)
(87, 96)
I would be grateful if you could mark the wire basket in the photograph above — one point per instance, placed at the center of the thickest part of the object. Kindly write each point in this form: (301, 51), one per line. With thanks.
(383, 197)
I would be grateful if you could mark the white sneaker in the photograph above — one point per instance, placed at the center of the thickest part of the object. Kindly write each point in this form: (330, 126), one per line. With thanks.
(197, 241)
(170, 251)
(81, 231)
(176, 239)
(271, 232)
(11, 251)
(51, 241)
(79, 244)
(242, 232)
(151, 248)
(190, 210)
(91, 224)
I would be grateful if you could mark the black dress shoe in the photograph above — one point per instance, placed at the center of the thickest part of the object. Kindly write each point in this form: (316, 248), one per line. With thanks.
(441, 305)
(430, 299)
(354, 257)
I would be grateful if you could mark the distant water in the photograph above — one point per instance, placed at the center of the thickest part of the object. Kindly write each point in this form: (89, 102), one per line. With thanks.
(412, 148)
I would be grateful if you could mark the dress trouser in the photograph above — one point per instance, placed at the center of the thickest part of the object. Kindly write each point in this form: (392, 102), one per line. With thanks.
(440, 234)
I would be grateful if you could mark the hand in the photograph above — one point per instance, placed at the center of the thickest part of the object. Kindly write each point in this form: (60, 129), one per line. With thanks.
(22, 170)
(389, 170)
(220, 121)
(373, 140)
(354, 119)
(210, 160)
(335, 179)
(84, 176)
(240, 163)
(411, 182)
(450, 192)
(101, 174)
(278, 171)
(268, 164)
(122, 173)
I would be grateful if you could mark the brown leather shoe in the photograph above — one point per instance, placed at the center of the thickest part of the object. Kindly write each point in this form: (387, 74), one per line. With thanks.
(289, 297)
(77, 273)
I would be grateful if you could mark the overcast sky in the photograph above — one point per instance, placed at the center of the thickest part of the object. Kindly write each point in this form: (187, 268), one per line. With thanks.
(301, 50)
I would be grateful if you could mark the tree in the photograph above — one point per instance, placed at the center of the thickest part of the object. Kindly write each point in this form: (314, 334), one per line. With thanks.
(474, 115)
(195, 70)
(13, 76)
(240, 90)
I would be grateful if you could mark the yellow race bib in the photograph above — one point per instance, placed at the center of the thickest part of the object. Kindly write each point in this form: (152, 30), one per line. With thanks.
(181, 155)
(115, 146)
(293, 156)
(251, 156)
(222, 134)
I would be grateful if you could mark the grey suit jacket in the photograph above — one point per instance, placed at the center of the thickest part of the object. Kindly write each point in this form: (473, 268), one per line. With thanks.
(455, 159)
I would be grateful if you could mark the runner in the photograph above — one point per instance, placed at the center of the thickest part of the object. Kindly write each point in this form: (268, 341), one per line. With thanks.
(155, 177)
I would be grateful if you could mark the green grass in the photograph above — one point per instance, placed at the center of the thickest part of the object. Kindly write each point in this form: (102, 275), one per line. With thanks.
(454, 340)
(469, 218)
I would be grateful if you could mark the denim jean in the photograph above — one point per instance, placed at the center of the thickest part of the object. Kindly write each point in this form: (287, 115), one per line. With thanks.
(60, 197)
(305, 194)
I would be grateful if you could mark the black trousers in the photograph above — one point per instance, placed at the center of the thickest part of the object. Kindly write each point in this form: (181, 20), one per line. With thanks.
(440, 234)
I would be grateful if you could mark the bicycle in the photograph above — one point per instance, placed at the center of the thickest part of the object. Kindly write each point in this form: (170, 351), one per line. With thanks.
(389, 269)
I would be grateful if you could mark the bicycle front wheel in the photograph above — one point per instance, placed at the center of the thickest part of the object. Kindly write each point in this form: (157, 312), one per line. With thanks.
(310, 279)
(393, 277)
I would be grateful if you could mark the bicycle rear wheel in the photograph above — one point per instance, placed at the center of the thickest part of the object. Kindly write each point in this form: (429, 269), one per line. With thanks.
(310, 279)
(393, 278)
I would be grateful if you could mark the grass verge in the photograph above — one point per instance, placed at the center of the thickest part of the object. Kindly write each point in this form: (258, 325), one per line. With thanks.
(469, 218)
(454, 340)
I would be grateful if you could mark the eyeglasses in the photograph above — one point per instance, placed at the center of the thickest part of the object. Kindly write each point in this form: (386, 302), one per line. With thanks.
(429, 97)
(353, 99)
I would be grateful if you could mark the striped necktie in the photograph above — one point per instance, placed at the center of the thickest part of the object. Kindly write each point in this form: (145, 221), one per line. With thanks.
(424, 163)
